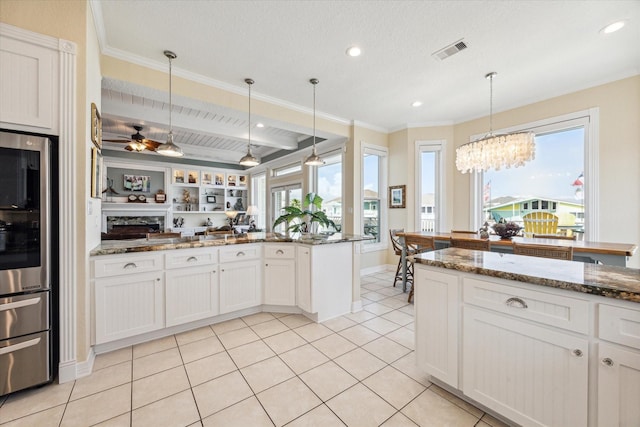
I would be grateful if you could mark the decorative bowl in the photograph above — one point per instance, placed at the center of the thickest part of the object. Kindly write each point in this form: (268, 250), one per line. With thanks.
(506, 230)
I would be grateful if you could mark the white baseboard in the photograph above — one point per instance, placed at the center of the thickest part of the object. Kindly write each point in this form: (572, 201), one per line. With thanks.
(84, 369)
(356, 306)
(67, 371)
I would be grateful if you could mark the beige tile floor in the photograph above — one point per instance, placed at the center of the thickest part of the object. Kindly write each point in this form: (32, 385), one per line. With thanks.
(261, 370)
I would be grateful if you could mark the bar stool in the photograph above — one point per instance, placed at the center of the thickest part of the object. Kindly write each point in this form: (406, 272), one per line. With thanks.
(474, 244)
(417, 245)
(397, 249)
(544, 251)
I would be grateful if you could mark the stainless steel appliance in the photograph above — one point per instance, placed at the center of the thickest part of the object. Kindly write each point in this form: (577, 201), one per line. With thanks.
(25, 290)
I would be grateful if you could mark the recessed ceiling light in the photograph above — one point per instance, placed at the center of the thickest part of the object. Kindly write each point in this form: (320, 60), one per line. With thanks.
(416, 103)
(612, 28)
(259, 125)
(354, 51)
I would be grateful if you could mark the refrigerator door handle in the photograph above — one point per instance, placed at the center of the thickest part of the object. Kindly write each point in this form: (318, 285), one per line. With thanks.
(20, 346)
(18, 304)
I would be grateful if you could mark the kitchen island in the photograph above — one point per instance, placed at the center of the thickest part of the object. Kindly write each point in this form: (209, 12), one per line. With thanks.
(538, 341)
(143, 289)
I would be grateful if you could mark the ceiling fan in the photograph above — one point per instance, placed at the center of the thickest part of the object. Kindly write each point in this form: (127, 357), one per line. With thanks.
(137, 142)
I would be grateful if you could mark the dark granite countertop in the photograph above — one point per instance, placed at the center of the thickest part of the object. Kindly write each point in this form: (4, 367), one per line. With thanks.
(608, 281)
(110, 247)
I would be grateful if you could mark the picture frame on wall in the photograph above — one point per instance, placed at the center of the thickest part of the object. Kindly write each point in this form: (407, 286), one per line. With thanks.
(206, 178)
(137, 183)
(397, 196)
(96, 173)
(96, 127)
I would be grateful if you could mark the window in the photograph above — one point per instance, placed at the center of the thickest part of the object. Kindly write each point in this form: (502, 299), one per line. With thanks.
(554, 181)
(285, 196)
(259, 199)
(329, 187)
(429, 185)
(288, 170)
(374, 198)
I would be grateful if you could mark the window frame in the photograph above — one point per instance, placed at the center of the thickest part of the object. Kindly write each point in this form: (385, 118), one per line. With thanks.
(438, 147)
(325, 155)
(589, 120)
(383, 165)
(255, 199)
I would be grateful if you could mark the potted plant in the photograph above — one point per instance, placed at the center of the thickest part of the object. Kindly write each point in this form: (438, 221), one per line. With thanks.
(304, 217)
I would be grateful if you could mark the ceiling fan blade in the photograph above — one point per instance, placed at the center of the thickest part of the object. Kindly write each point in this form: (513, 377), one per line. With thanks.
(151, 144)
(120, 141)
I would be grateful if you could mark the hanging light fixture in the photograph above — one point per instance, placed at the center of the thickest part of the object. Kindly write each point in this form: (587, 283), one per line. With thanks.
(169, 148)
(314, 159)
(495, 151)
(249, 159)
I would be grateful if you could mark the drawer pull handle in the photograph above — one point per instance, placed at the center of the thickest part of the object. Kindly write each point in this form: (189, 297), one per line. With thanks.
(192, 258)
(516, 303)
(577, 352)
(130, 265)
(19, 304)
(11, 348)
(240, 253)
(279, 252)
(607, 362)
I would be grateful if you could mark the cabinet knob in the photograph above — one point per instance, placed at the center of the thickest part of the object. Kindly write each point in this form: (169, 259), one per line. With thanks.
(213, 271)
(157, 279)
(240, 253)
(130, 265)
(577, 352)
(516, 302)
(279, 252)
(266, 265)
(192, 258)
(607, 362)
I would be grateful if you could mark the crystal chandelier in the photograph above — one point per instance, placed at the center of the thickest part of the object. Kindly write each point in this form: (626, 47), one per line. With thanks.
(495, 151)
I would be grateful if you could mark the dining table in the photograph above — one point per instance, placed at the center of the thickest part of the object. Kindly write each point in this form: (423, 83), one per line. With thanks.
(584, 251)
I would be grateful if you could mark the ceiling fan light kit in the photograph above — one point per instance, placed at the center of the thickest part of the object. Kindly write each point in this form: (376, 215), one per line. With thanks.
(314, 159)
(495, 151)
(249, 159)
(169, 148)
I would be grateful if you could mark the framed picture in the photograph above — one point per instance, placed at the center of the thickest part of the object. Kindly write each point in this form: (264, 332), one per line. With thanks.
(397, 196)
(96, 127)
(231, 180)
(219, 179)
(96, 172)
(242, 181)
(178, 176)
(192, 177)
(137, 183)
(206, 178)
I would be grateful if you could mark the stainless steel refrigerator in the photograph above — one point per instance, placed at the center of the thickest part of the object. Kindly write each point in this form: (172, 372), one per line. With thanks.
(25, 285)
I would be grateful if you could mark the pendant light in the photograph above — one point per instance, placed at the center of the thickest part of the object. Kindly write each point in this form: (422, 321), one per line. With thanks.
(249, 159)
(495, 151)
(314, 159)
(169, 148)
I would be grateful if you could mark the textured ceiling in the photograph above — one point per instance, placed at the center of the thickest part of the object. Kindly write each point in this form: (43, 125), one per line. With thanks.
(540, 49)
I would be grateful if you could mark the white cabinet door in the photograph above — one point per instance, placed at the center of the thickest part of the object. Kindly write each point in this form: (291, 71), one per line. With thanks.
(533, 375)
(618, 386)
(29, 84)
(128, 305)
(280, 282)
(437, 295)
(240, 285)
(191, 294)
(303, 285)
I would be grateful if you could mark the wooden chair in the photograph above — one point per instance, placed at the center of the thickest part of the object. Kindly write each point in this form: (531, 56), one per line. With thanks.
(554, 236)
(540, 223)
(163, 235)
(474, 244)
(416, 245)
(544, 251)
(397, 249)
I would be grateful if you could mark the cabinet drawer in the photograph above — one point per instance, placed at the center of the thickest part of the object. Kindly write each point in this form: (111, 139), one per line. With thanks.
(547, 308)
(280, 251)
(239, 253)
(619, 325)
(191, 257)
(117, 265)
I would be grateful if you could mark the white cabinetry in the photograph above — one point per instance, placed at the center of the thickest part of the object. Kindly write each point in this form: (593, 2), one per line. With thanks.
(240, 277)
(129, 296)
(618, 366)
(191, 285)
(29, 86)
(279, 274)
(303, 282)
(437, 322)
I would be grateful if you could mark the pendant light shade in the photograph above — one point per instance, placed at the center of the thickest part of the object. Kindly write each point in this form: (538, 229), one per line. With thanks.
(495, 151)
(169, 148)
(249, 159)
(314, 159)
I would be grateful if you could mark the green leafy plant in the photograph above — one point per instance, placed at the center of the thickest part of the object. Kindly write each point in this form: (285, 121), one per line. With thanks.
(300, 217)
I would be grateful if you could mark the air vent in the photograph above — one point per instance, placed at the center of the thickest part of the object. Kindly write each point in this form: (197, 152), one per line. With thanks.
(452, 49)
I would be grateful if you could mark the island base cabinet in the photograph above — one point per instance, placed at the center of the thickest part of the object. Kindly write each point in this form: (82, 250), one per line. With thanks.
(618, 386)
(191, 294)
(532, 375)
(437, 324)
(240, 285)
(128, 305)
